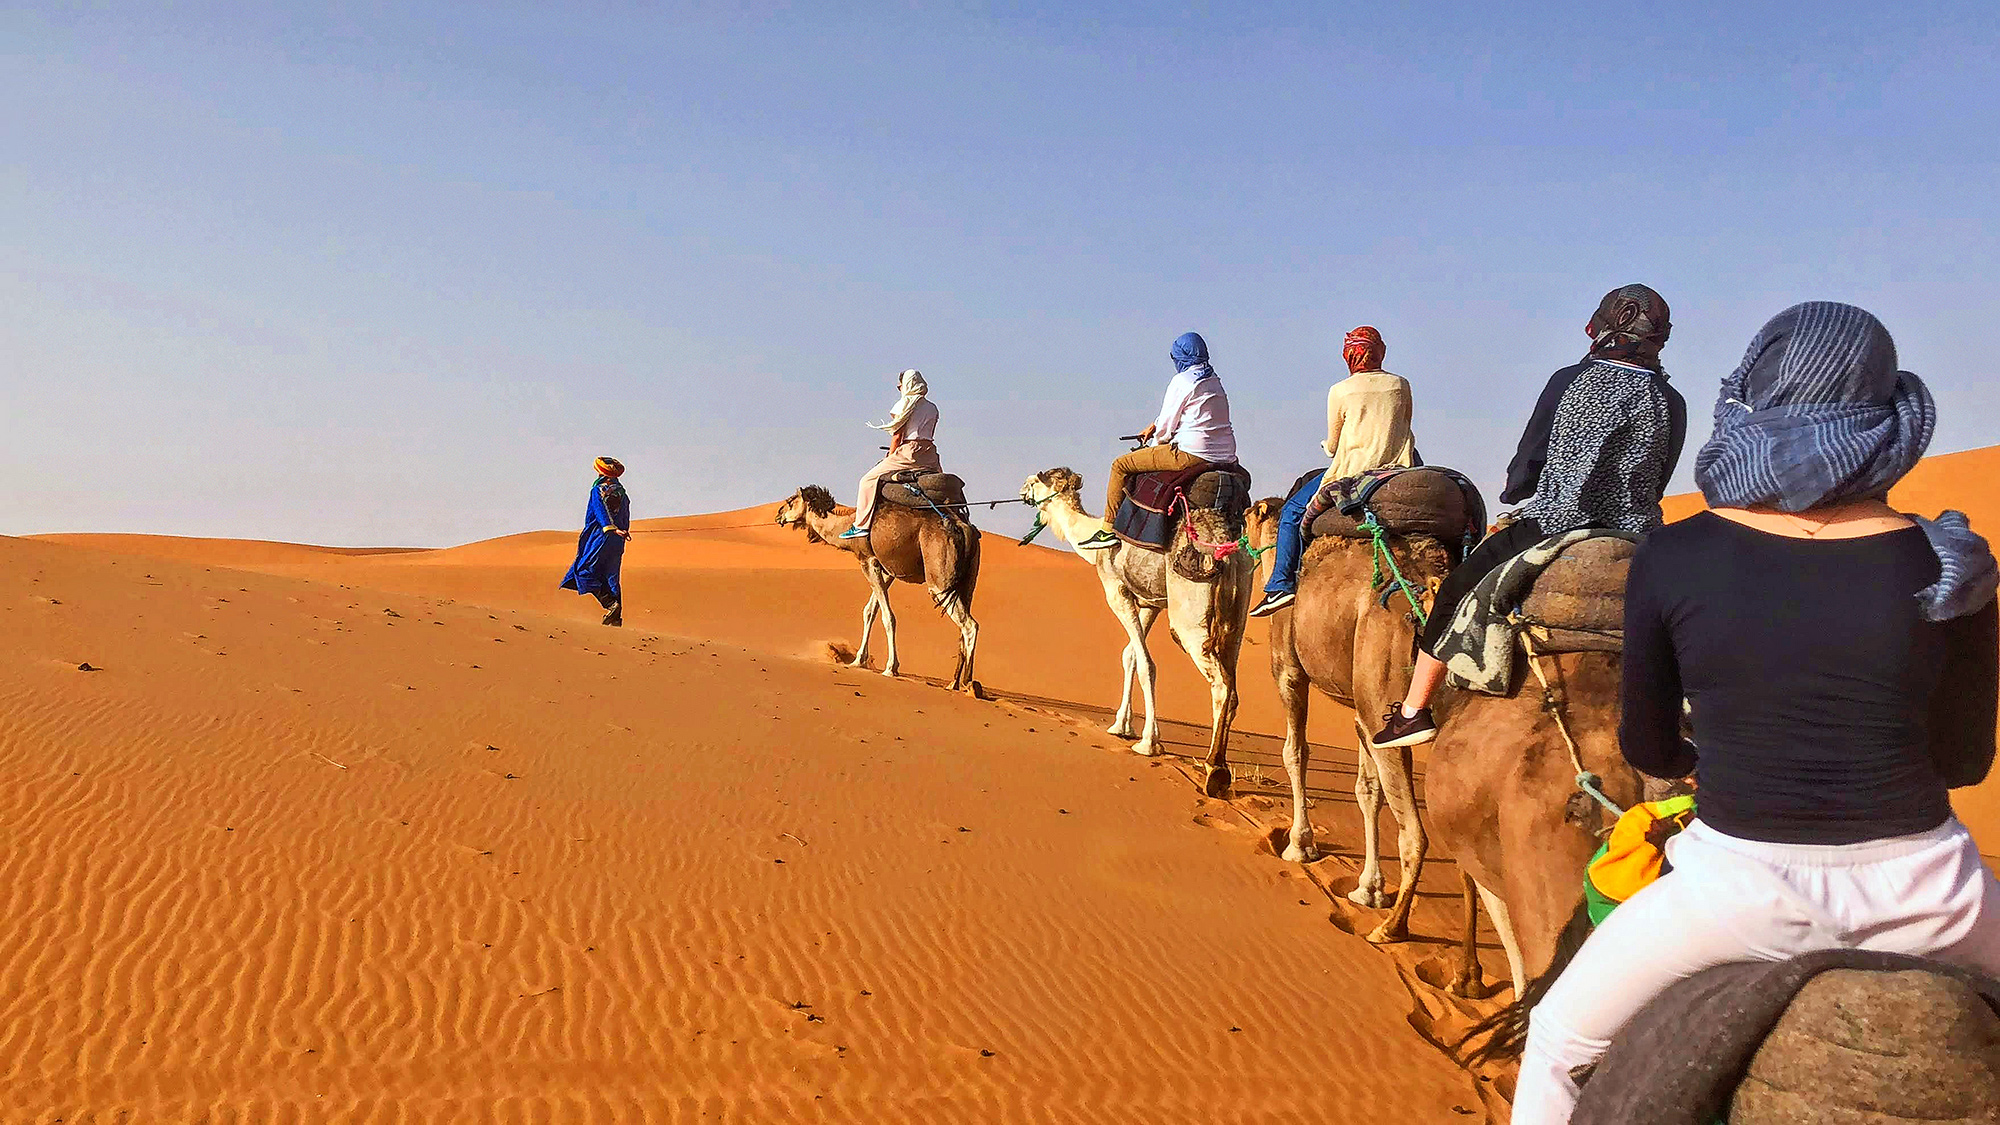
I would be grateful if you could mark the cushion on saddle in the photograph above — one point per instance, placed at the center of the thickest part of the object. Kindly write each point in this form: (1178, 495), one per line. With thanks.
(1423, 501)
(922, 490)
(1837, 1036)
(1150, 512)
(1478, 647)
(1577, 602)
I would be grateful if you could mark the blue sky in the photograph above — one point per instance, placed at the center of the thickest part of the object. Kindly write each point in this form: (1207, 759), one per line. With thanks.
(369, 276)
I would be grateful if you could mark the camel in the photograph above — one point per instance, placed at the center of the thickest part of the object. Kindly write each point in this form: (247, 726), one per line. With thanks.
(1341, 637)
(1502, 796)
(904, 545)
(1206, 619)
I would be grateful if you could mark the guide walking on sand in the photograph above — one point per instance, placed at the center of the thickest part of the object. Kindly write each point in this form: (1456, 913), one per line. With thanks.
(600, 549)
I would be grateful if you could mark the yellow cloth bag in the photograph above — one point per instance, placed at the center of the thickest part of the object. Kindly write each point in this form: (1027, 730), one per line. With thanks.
(1634, 855)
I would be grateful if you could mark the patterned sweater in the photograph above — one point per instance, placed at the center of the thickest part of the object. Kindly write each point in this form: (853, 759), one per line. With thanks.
(1603, 443)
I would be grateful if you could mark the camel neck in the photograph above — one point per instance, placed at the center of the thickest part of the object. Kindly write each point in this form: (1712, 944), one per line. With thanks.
(1063, 513)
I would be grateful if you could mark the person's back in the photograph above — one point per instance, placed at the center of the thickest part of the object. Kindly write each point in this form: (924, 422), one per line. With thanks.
(1827, 711)
(1373, 408)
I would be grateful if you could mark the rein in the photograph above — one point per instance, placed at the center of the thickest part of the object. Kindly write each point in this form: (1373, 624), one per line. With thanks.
(1380, 538)
(1586, 782)
(1221, 551)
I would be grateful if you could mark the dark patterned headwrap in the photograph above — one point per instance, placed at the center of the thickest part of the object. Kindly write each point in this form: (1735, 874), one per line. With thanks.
(1630, 326)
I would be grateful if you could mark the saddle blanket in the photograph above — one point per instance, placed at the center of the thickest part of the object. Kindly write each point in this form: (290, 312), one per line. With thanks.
(1582, 611)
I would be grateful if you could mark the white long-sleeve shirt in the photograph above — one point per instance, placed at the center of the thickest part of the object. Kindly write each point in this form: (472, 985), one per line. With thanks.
(921, 425)
(1195, 417)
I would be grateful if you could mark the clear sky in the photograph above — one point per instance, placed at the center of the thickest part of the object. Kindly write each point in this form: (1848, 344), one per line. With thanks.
(375, 277)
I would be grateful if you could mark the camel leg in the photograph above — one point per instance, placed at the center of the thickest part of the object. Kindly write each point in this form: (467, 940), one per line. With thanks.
(1135, 648)
(1146, 672)
(1503, 924)
(1469, 981)
(868, 613)
(1368, 795)
(968, 640)
(1221, 677)
(1398, 781)
(882, 583)
(1294, 692)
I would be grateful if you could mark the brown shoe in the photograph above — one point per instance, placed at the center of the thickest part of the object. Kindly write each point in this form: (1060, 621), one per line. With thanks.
(614, 614)
(1399, 730)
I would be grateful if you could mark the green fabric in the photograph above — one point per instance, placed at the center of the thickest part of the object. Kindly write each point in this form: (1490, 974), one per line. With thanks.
(1594, 902)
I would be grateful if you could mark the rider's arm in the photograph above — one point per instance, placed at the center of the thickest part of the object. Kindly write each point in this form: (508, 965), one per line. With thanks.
(1336, 415)
(1650, 729)
(1968, 694)
(1525, 473)
(1175, 404)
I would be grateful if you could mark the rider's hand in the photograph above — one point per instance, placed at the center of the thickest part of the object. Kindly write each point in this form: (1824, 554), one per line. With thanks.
(1146, 435)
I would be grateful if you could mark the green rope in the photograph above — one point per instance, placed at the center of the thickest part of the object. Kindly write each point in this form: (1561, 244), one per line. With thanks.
(1384, 554)
(1039, 525)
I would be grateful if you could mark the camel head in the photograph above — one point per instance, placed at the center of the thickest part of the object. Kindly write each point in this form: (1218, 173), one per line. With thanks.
(810, 499)
(1038, 489)
(1260, 523)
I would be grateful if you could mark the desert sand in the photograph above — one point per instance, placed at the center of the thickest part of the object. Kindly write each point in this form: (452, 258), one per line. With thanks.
(349, 835)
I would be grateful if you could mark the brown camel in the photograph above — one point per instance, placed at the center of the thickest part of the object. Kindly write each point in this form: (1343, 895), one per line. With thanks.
(1345, 638)
(1502, 796)
(903, 545)
(1205, 618)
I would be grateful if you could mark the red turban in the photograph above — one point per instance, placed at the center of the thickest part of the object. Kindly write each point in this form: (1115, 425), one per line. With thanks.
(1364, 349)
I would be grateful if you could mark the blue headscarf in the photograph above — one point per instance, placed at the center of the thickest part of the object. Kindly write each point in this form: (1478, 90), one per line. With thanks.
(1190, 350)
(1818, 414)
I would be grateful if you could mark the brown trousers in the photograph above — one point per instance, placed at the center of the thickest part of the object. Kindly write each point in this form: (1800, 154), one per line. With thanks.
(1152, 459)
(920, 455)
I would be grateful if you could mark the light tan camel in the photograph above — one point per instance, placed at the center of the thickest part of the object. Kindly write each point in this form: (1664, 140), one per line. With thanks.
(1206, 619)
(1345, 638)
(1502, 797)
(903, 545)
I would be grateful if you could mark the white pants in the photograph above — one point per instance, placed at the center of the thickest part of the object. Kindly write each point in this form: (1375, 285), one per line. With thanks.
(1728, 900)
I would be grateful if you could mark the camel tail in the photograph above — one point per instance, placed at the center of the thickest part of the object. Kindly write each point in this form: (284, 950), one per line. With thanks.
(963, 567)
(1506, 1031)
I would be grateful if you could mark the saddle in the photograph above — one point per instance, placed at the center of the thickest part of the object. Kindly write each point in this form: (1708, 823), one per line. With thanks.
(913, 488)
(1564, 594)
(1426, 500)
(1154, 503)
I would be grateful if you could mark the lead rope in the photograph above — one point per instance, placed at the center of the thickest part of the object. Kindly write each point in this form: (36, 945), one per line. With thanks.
(1384, 554)
(1220, 550)
(1587, 781)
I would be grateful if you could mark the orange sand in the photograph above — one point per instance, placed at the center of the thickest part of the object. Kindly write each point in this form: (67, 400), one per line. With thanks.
(306, 850)
(341, 835)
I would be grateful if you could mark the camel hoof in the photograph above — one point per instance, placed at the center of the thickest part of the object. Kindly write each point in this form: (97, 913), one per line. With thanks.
(1217, 783)
(1302, 853)
(1370, 897)
(1384, 934)
(890, 672)
(1145, 749)
(973, 689)
(1469, 988)
(1120, 730)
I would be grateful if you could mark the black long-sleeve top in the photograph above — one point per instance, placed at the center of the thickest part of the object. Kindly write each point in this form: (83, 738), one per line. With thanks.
(1825, 709)
(1524, 473)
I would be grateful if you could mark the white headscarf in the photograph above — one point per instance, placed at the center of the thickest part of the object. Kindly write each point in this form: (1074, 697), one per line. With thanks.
(914, 389)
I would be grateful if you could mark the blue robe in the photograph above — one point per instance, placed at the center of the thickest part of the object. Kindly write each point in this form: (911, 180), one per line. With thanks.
(599, 554)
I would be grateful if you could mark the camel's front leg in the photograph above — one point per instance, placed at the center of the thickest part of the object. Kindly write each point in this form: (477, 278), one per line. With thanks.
(1398, 782)
(882, 583)
(1368, 796)
(1148, 674)
(868, 613)
(1295, 693)
(1121, 723)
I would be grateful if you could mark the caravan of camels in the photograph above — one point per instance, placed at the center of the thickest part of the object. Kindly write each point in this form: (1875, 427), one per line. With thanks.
(1557, 696)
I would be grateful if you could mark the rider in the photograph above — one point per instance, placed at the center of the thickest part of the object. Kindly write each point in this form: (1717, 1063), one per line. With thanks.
(1192, 430)
(1598, 452)
(1843, 665)
(1367, 427)
(912, 427)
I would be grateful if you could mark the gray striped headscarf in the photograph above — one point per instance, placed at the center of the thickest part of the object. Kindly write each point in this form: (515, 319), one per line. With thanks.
(1818, 414)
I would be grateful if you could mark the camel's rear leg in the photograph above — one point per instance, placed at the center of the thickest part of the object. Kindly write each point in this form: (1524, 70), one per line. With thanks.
(1295, 693)
(1398, 778)
(1469, 981)
(968, 641)
(1503, 925)
(1222, 699)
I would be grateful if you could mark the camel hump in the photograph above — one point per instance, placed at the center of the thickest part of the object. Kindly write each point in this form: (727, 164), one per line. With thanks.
(1577, 602)
(1867, 1047)
(945, 490)
(1420, 501)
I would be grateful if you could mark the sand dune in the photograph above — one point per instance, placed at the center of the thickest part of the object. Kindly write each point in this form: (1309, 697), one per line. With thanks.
(301, 852)
(340, 835)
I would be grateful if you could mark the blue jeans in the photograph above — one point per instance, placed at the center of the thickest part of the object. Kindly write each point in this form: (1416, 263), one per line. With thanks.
(1285, 564)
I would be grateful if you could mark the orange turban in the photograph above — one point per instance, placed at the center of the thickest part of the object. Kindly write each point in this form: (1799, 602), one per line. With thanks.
(1364, 349)
(609, 467)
